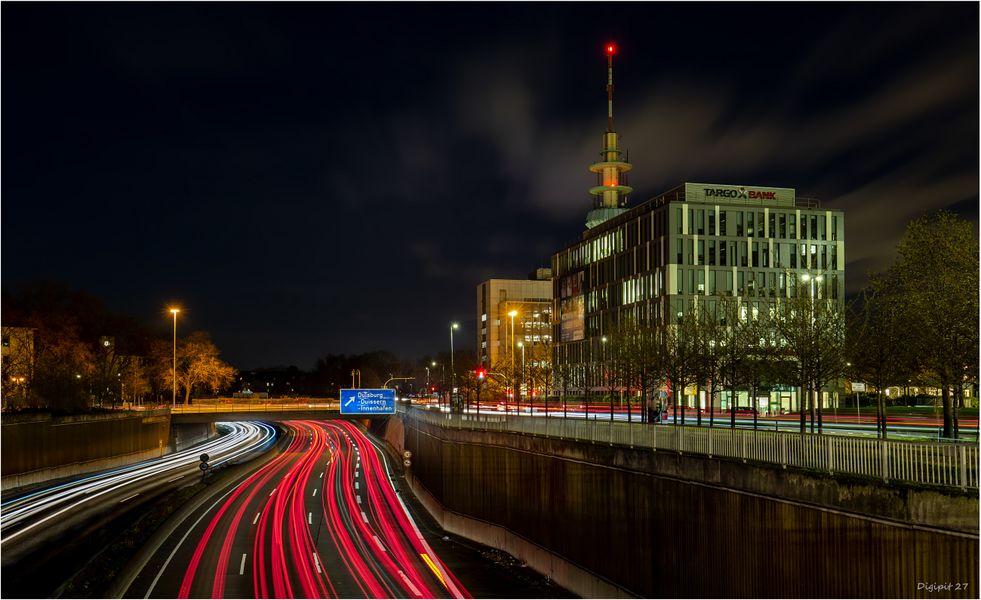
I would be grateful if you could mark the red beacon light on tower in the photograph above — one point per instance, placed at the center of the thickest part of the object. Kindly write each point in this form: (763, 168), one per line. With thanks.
(611, 49)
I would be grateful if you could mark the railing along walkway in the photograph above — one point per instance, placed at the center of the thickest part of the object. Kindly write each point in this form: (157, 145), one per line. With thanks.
(240, 407)
(931, 463)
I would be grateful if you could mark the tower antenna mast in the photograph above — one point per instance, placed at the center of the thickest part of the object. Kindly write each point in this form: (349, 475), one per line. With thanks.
(610, 49)
(610, 193)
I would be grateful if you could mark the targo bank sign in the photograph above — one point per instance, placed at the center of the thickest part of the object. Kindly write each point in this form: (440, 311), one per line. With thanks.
(714, 193)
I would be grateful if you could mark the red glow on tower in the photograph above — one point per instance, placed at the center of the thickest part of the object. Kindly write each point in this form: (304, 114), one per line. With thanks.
(611, 49)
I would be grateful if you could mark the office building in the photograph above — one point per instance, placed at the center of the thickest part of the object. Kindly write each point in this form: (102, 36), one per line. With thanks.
(696, 242)
(499, 332)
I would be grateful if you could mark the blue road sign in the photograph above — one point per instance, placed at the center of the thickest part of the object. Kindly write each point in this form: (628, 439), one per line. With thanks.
(368, 402)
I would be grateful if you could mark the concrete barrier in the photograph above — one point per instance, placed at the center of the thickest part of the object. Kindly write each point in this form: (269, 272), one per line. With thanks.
(38, 448)
(607, 521)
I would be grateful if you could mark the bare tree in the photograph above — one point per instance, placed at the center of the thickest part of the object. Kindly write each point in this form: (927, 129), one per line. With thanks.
(812, 334)
(795, 326)
(705, 332)
(732, 350)
(543, 371)
(679, 358)
(647, 362)
(761, 355)
(563, 380)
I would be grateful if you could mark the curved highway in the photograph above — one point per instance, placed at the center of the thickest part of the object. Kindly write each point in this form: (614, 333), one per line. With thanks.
(44, 533)
(320, 520)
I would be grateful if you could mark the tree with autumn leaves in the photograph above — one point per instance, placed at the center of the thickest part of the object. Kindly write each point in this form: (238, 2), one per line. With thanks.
(67, 352)
(198, 366)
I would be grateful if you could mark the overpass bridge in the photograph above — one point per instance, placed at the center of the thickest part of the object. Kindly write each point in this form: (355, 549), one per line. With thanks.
(254, 410)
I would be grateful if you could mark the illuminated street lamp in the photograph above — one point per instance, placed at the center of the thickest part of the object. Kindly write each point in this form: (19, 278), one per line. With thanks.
(814, 391)
(173, 401)
(513, 314)
(442, 375)
(609, 375)
(522, 346)
(452, 369)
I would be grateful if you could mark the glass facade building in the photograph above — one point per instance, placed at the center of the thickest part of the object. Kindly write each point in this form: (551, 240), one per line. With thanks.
(696, 242)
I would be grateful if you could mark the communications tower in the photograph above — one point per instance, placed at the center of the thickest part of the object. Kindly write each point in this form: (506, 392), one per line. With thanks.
(610, 195)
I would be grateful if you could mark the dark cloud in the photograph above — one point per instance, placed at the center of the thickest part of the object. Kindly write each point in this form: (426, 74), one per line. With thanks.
(305, 183)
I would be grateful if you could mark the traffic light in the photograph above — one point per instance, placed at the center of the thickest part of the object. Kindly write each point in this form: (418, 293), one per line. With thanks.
(481, 374)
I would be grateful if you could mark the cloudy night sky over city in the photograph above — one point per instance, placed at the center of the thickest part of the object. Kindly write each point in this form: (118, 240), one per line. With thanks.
(308, 178)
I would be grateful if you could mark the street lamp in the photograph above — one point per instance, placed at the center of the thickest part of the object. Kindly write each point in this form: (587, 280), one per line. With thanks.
(608, 374)
(173, 400)
(452, 369)
(522, 346)
(814, 392)
(513, 314)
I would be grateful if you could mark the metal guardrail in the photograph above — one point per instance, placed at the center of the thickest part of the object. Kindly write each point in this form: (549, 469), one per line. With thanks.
(930, 463)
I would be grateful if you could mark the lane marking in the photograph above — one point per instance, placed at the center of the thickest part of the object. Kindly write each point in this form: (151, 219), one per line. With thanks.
(364, 517)
(414, 589)
(241, 567)
(321, 475)
(450, 586)
(314, 491)
(272, 492)
(378, 541)
(316, 561)
(358, 498)
(256, 519)
(129, 498)
(160, 573)
(432, 567)
(356, 485)
(310, 519)
(174, 479)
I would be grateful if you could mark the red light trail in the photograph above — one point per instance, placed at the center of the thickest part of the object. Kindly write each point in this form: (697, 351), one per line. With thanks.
(329, 476)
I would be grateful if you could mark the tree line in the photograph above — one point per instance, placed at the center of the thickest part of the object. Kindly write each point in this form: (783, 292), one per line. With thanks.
(65, 351)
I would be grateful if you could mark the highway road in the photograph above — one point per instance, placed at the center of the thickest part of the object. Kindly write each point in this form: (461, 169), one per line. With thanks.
(321, 519)
(40, 529)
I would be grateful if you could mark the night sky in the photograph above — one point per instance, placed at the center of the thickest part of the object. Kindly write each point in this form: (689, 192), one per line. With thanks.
(307, 179)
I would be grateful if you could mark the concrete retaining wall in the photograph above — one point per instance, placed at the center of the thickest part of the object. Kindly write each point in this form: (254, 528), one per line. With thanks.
(606, 521)
(41, 447)
(185, 435)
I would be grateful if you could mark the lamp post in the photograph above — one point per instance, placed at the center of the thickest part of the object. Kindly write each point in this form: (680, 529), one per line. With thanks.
(173, 401)
(609, 374)
(442, 381)
(513, 314)
(522, 346)
(452, 369)
(813, 391)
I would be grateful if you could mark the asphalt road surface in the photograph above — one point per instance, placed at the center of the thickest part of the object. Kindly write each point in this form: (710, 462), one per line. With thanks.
(48, 533)
(321, 519)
